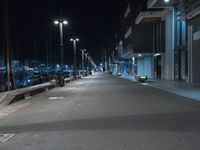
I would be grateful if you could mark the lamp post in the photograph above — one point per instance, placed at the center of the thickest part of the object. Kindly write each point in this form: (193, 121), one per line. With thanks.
(86, 61)
(61, 22)
(83, 50)
(74, 46)
(6, 36)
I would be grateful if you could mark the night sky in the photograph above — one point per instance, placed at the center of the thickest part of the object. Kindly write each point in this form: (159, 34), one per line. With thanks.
(93, 21)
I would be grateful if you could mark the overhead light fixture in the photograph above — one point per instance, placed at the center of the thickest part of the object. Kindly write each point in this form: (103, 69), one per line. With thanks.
(65, 22)
(166, 1)
(56, 22)
(158, 54)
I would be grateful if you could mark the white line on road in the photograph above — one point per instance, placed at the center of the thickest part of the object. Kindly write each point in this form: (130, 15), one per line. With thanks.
(54, 98)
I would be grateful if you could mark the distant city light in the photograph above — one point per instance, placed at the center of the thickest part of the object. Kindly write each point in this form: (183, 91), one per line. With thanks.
(139, 55)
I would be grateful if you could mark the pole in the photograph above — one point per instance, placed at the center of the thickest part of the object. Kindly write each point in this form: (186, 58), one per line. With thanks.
(61, 55)
(61, 45)
(74, 44)
(86, 63)
(83, 57)
(50, 53)
(82, 60)
(7, 46)
(47, 53)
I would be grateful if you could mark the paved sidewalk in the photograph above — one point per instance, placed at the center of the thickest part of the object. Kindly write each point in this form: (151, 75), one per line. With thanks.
(188, 90)
(129, 77)
(103, 112)
(181, 88)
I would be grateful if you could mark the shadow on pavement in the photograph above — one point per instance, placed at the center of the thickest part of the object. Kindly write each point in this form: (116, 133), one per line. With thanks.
(172, 122)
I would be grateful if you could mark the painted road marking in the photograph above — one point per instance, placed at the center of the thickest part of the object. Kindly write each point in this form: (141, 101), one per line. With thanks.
(5, 137)
(55, 98)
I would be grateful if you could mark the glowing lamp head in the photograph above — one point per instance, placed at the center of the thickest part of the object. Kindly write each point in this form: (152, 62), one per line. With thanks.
(56, 22)
(166, 1)
(65, 22)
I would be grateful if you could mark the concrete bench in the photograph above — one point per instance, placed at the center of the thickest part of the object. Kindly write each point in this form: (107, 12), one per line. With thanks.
(141, 78)
(24, 93)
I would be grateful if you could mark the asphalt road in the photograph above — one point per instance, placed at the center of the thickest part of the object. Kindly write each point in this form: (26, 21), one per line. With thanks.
(102, 112)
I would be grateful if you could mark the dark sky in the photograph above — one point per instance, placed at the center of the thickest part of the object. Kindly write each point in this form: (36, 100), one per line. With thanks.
(93, 21)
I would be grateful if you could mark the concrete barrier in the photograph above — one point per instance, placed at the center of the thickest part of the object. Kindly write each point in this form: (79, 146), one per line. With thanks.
(141, 78)
(25, 93)
(67, 80)
(7, 98)
(78, 76)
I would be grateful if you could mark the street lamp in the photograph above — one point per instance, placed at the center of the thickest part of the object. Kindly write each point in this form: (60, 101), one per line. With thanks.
(83, 50)
(74, 46)
(166, 1)
(61, 22)
(89, 62)
(86, 62)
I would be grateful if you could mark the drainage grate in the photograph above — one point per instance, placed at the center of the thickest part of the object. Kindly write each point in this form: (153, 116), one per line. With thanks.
(5, 137)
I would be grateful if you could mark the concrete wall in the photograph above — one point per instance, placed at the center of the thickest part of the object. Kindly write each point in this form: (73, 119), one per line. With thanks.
(193, 57)
(163, 66)
(183, 67)
(169, 53)
(196, 61)
(190, 39)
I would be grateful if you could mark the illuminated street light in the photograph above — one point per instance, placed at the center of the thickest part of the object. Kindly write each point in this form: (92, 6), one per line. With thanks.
(74, 46)
(61, 22)
(86, 62)
(83, 50)
(65, 22)
(56, 22)
(166, 1)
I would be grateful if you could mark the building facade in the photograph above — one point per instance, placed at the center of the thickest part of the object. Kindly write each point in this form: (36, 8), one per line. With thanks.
(136, 42)
(161, 39)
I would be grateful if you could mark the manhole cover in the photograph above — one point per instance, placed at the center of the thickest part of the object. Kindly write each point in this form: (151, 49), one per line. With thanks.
(5, 137)
(54, 98)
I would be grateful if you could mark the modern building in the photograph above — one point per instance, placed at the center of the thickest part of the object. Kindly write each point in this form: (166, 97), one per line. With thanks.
(136, 41)
(192, 15)
(161, 39)
(182, 21)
